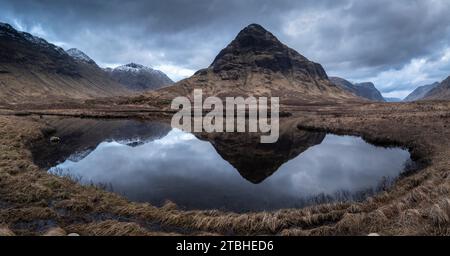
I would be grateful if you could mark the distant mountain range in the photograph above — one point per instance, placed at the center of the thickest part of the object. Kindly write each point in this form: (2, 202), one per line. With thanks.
(138, 77)
(389, 99)
(31, 69)
(366, 90)
(134, 77)
(420, 92)
(34, 70)
(440, 92)
(435, 91)
(255, 63)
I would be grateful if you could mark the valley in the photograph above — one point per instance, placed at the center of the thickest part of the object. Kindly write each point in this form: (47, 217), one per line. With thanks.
(83, 108)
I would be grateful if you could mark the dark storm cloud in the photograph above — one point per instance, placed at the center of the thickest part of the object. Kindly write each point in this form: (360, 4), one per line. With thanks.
(372, 39)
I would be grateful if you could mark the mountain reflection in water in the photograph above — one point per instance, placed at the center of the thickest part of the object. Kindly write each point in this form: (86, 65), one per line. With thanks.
(225, 171)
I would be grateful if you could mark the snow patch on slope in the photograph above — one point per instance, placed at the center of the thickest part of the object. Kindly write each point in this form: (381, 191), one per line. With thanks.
(79, 55)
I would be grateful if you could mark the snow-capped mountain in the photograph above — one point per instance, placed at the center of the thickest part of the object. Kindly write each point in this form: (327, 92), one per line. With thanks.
(32, 69)
(7, 31)
(80, 56)
(139, 77)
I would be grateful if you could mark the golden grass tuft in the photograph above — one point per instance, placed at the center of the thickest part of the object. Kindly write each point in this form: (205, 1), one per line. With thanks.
(113, 228)
(295, 232)
(438, 216)
(56, 231)
(169, 206)
(445, 205)
(416, 195)
(4, 231)
(409, 217)
(350, 224)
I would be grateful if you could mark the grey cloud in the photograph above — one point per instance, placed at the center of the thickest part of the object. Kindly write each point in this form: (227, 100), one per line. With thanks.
(353, 39)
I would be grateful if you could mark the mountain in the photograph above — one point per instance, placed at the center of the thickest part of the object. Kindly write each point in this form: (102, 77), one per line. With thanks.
(33, 70)
(369, 91)
(420, 92)
(389, 99)
(256, 63)
(440, 92)
(366, 90)
(80, 56)
(138, 77)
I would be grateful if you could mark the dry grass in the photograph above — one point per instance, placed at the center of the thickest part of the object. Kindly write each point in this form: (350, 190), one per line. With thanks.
(35, 202)
(56, 231)
(113, 228)
(4, 231)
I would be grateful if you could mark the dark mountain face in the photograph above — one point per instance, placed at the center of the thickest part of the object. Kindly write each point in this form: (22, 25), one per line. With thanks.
(366, 90)
(20, 48)
(31, 69)
(256, 63)
(137, 77)
(440, 92)
(369, 91)
(344, 84)
(257, 49)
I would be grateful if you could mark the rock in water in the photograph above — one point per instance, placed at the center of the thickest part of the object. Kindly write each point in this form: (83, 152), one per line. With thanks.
(55, 139)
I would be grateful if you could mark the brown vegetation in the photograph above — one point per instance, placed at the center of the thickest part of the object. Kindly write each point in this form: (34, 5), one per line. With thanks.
(33, 202)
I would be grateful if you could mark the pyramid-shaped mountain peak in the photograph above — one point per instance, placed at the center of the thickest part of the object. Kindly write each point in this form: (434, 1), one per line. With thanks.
(256, 49)
(255, 37)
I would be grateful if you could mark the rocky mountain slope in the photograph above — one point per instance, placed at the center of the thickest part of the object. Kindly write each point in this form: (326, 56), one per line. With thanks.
(137, 77)
(440, 92)
(33, 70)
(80, 56)
(366, 90)
(420, 92)
(256, 63)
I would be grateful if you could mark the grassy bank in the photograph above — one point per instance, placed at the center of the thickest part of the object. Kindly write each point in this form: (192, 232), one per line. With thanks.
(33, 202)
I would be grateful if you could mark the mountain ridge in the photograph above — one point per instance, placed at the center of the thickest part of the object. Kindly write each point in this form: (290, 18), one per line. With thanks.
(440, 92)
(34, 70)
(80, 56)
(366, 90)
(138, 77)
(420, 92)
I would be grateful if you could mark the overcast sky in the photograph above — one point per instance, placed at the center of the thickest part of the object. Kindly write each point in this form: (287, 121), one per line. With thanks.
(398, 45)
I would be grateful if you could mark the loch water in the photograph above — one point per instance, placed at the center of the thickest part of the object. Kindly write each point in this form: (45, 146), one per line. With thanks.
(152, 162)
